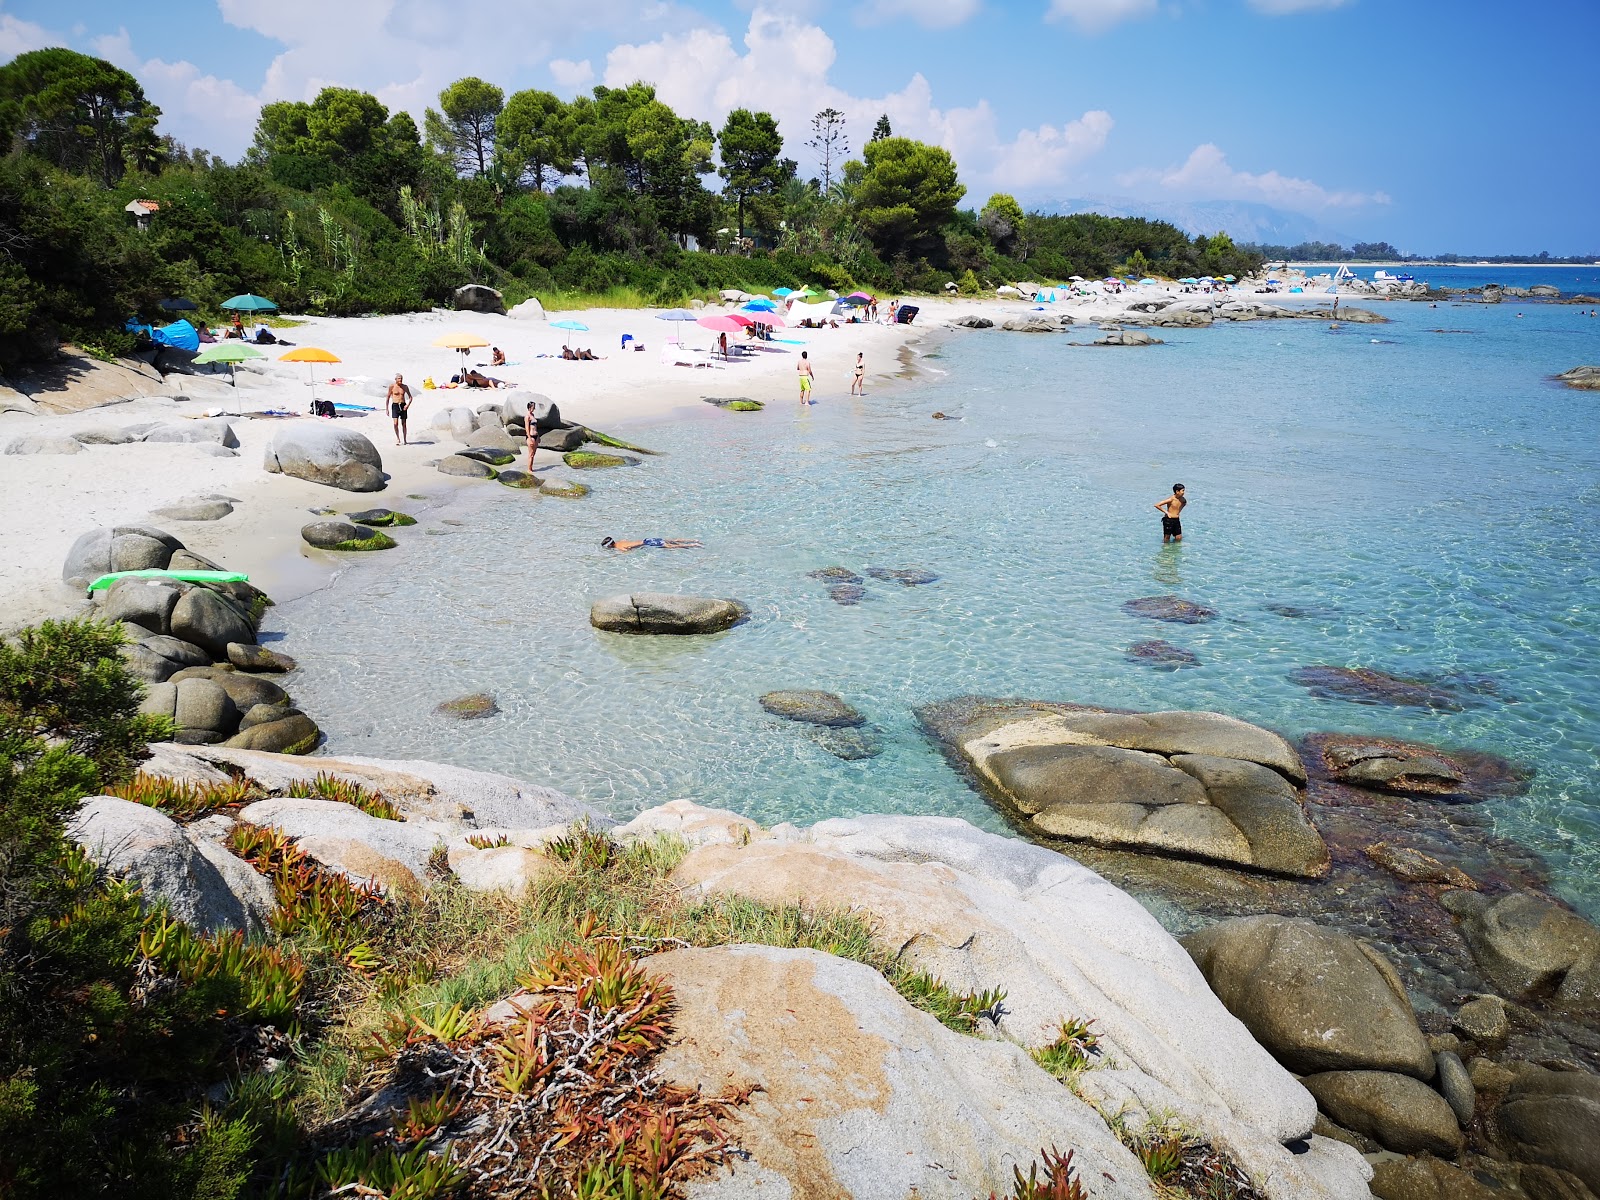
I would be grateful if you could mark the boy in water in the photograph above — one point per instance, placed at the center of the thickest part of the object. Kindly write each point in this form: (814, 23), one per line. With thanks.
(1170, 508)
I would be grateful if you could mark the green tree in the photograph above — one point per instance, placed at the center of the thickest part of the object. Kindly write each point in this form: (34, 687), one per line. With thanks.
(750, 146)
(830, 141)
(342, 135)
(908, 192)
(1003, 221)
(83, 114)
(465, 132)
(881, 130)
(534, 137)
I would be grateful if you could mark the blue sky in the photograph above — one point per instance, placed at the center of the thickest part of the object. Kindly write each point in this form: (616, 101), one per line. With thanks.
(1439, 125)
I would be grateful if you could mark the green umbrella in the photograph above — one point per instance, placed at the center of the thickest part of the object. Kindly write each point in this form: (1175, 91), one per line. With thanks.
(230, 352)
(250, 303)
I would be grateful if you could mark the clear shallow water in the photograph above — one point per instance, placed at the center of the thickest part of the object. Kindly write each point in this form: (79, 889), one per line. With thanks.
(1429, 497)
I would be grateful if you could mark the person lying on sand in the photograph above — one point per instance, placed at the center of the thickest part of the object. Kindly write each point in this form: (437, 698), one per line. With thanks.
(622, 547)
(477, 379)
(571, 355)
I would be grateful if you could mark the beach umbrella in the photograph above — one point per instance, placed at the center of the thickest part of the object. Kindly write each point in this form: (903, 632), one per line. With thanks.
(179, 304)
(570, 325)
(230, 352)
(856, 300)
(1188, 279)
(760, 305)
(765, 318)
(783, 291)
(678, 314)
(461, 342)
(310, 355)
(803, 293)
(249, 303)
(1074, 278)
(723, 322)
(1205, 279)
(859, 296)
(1147, 279)
(1228, 279)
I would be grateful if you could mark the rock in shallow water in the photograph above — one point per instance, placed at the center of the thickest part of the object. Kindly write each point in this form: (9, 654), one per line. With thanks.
(665, 612)
(847, 595)
(1362, 685)
(834, 575)
(812, 707)
(469, 708)
(1169, 608)
(1163, 655)
(1414, 769)
(905, 576)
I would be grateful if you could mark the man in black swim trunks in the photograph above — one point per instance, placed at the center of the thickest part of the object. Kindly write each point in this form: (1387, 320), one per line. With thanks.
(1171, 526)
(399, 405)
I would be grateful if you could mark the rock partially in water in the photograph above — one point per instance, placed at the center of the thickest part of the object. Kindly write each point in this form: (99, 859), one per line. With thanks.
(588, 460)
(380, 517)
(834, 575)
(1363, 685)
(851, 745)
(1169, 608)
(467, 468)
(1396, 1111)
(1404, 768)
(250, 657)
(1163, 655)
(847, 595)
(1587, 378)
(1552, 1119)
(1193, 784)
(344, 536)
(1532, 947)
(517, 479)
(905, 576)
(564, 489)
(665, 612)
(1413, 866)
(475, 707)
(812, 708)
(494, 456)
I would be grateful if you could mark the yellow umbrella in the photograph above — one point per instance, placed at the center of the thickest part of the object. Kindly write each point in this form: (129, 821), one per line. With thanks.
(462, 342)
(310, 354)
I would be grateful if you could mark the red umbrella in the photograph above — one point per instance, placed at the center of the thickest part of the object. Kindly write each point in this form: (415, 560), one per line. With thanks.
(722, 322)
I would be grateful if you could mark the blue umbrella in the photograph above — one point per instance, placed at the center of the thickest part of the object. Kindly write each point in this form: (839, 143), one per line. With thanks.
(783, 291)
(250, 303)
(579, 326)
(677, 314)
(760, 305)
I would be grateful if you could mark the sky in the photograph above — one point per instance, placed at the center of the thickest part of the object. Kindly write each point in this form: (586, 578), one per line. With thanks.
(1438, 125)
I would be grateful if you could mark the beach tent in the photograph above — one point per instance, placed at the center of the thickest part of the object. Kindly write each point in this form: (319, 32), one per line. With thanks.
(180, 335)
(310, 355)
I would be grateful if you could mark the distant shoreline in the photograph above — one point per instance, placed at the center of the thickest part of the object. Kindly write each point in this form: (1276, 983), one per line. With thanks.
(1360, 262)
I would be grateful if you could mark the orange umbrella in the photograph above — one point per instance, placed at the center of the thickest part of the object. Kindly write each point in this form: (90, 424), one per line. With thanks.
(462, 342)
(308, 355)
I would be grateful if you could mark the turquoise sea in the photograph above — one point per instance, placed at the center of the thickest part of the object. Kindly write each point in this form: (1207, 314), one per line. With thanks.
(1418, 491)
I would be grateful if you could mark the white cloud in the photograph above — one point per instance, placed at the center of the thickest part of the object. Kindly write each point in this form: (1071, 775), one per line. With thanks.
(18, 37)
(210, 112)
(1097, 16)
(1278, 8)
(1206, 174)
(571, 75)
(783, 69)
(930, 14)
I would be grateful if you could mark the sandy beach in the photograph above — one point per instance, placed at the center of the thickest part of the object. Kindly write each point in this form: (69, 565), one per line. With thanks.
(57, 498)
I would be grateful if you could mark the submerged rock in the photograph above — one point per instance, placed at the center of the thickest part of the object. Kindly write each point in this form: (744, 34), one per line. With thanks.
(469, 708)
(1552, 1119)
(665, 612)
(848, 595)
(1362, 685)
(1414, 769)
(812, 708)
(905, 576)
(1194, 784)
(1163, 655)
(834, 575)
(1412, 865)
(1169, 608)
(564, 489)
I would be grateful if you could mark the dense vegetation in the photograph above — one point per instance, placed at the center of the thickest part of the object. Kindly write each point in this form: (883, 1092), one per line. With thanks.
(341, 207)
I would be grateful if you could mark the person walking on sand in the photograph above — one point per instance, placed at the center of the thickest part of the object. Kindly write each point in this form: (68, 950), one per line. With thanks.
(399, 406)
(858, 384)
(807, 378)
(1170, 508)
(533, 435)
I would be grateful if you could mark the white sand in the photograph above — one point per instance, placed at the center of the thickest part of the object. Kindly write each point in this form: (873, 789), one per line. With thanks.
(51, 499)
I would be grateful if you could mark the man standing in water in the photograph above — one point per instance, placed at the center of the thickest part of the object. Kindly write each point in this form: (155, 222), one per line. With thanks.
(807, 378)
(399, 405)
(1170, 508)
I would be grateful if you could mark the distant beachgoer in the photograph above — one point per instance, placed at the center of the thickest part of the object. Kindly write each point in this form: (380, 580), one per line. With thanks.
(399, 398)
(858, 384)
(807, 377)
(622, 547)
(497, 356)
(533, 434)
(1170, 508)
(722, 344)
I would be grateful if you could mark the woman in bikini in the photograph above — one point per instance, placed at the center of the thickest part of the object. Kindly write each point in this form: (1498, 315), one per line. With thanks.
(533, 436)
(858, 384)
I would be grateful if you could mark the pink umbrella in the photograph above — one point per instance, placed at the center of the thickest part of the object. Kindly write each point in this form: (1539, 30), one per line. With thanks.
(766, 318)
(722, 322)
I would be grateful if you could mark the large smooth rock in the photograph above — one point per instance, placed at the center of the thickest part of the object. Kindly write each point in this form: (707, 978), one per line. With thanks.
(102, 436)
(290, 733)
(1317, 999)
(344, 535)
(529, 310)
(214, 430)
(1195, 784)
(117, 548)
(43, 443)
(249, 657)
(978, 910)
(478, 297)
(246, 691)
(210, 622)
(663, 612)
(148, 603)
(812, 708)
(1530, 947)
(1426, 1178)
(1396, 1111)
(200, 883)
(203, 712)
(466, 468)
(327, 455)
(393, 854)
(854, 1088)
(196, 509)
(1552, 1118)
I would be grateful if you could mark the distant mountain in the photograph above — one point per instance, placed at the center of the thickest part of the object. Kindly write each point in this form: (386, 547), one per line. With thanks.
(1241, 220)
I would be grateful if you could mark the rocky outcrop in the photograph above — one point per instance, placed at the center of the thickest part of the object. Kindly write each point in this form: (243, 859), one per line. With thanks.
(1426, 1178)
(1396, 1111)
(1530, 947)
(1317, 999)
(43, 443)
(979, 911)
(1552, 1119)
(973, 321)
(812, 708)
(853, 1087)
(1363, 685)
(1587, 378)
(664, 612)
(1127, 337)
(1193, 784)
(117, 548)
(72, 381)
(477, 297)
(212, 430)
(339, 458)
(201, 884)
